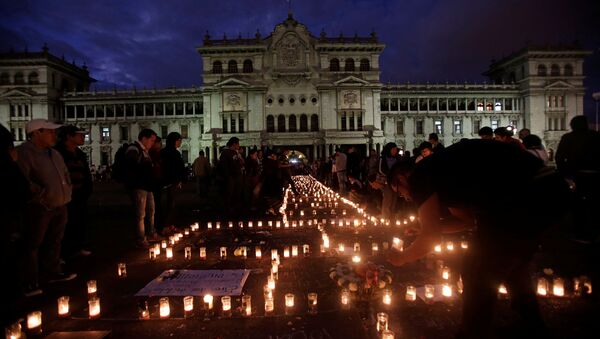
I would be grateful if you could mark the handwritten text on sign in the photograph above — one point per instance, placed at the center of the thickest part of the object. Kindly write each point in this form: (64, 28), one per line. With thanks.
(196, 282)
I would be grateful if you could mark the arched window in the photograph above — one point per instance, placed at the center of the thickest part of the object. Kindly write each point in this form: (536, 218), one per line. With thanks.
(489, 106)
(270, 123)
(541, 70)
(232, 66)
(555, 70)
(217, 67)
(568, 70)
(314, 123)
(281, 123)
(33, 78)
(365, 66)
(248, 66)
(349, 66)
(19, 80)
(292, 124)
(4, 79)
(334, 65)
(303, 123)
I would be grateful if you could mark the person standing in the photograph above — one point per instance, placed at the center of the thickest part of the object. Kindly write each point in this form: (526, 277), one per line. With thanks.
(76, 161)
(389, 157)
(201, 169)
(46, 214)
(436, 145)
(230, 170)
(174, 174)
(340, 170)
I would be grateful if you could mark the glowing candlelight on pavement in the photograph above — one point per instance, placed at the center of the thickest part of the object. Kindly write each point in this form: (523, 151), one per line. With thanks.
(247, 305)
(223, 253)
(122, 270)
(226, 305)
(164, 308)
(250, 224)
(188, 252)
(186, 231)
(341, 247)
(169, 253)
(94, 307)
(325, 241)
(92, 286)
(271, 282)
(294, 250)
(437, 248)
(411, 293)
(387, 296)
(208, 301)
(446, 290)
(209, 225)
(188, 305)
(34, 321)
(202, 253)
(558, 287)
(446, 273)
(542, 286)
(13, 331)
(398, 244)
(306, 249)
(382, 321)
(356, 259)
(312, 303)
(259, 224)
(356, 247)
(163, 244)
(345, 297)
(63, 306)
(502, 289)
(274, 254)
(289, 302)
(218, 225)
(257, 252)
(412, 218)
(374, 248)
(274, 269)
(464, 244)
(429, 291)
(278, 224)
(230, 224)
(286, 252)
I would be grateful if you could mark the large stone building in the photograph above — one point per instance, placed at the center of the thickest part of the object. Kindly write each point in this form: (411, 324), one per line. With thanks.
(297, 90)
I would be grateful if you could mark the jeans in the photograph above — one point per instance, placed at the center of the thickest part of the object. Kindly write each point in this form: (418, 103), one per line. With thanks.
(342, 178)
(143, 203)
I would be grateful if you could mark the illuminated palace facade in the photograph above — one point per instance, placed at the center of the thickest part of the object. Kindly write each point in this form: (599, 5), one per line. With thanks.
(296, 90)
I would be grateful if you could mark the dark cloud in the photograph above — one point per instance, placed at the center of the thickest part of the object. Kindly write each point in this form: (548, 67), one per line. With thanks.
(152, 43)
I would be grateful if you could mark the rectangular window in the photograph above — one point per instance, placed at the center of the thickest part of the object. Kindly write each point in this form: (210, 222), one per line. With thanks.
(457, 127)
(89, 112)
(124, 133)
(394, 104)
(343, 121)
(413, 104)
(400, 127)
(359, 125)
(201, 129)
(159, 109)
(351, 121)
(462, 105)
(422, 104)
(438, 126)
(119, 111)
(403, 105)
(549, 102)
(508, 104)
(225, 125)
(452, 104)
(179, 108)
(433, 104)
(169, 108)
(419, 130)
(164, 131)
(495, 124)
(139, 110)
(129, 110)
(189, 108)
(149, 110)
(470, 105)
(443, 104)
(476, 126)
(105, 133)
(385, 104)
(561, 101)
(232, 125)
(184, 131)
(241, 125)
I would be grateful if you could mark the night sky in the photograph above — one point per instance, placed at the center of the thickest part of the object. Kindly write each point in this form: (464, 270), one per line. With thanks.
(152, 43)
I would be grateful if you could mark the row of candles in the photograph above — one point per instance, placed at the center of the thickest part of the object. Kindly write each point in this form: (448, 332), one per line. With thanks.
(288, 251)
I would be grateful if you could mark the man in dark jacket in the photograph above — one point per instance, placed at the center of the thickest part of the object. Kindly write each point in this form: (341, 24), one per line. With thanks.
(174, 174)
(230, 172)
(70, 139)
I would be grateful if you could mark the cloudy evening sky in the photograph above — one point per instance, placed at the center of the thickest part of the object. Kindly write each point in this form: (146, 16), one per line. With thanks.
(152, 43)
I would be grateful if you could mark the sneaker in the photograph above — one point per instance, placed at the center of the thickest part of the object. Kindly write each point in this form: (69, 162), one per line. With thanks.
(60, 277)
(32, 291)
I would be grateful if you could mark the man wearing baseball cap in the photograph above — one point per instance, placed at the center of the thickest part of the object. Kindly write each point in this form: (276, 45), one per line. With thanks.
(46, 213)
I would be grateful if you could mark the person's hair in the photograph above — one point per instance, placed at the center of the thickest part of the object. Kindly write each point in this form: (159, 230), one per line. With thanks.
(486, 130)
(233, 141)
(424, 145)
(201, 153)
(532, 141)
(337, 149)
(433, 136)
(387, 149)
(146, 133)
(502, 131)
(579, 123)
(172, 139)
(252, 151)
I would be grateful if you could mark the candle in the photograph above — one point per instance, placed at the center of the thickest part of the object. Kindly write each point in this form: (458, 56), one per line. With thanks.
(558, 287)
(286, 252)
(341, 247)
(502, 289)
(464, 244)
(163, 244)
(34, 322)
(63, 306)
(289, 302)
(172, 240)
(450, 246)
(122, 270)
(169, 253)
(188, 252)
(270, 223)
(218, 225)
(294, 250)
(446, 273)
(230, 224)
(143, 310)
(306, 249)
(151, 254)
(446, 290)
(92, 286)
(345, 298)
(387, 334)
(274, 254)
(382, 321)
(412, 218)
(429, 291)
(274, 269)
(325, 241)
(209, 225)
(411, 293)
(356, 247)
(356, 259)
(13, 331)
(208, 301)
(226, 305)
(374, 248)
(278, 224)
(164, 308)
(202, 253)
(385, 245)
(244, 250)
(269, 305)
(257, 252)
(250, 224)
(312, 303)
(259, 224)
(188, 306)
(94, 307)
(223, 252)
(437, 248)
(387, 296)
(542, 286)
(271, 282)
(246, 305)
(186, 231)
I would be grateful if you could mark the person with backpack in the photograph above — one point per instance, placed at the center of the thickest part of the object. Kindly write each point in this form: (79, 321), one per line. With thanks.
(135, 169)
(174, 173)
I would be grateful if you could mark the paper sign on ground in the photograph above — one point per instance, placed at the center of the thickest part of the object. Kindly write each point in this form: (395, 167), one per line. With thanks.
(196, 282)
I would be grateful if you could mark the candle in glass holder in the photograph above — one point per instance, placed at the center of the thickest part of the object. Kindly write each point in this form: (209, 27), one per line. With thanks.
(306, 249)
(446, 290)
(244, 251)
(143, 311)
(156, 250)
(274, 254)
(259, 224)
(218, 225)
(186, 231)
(163, 244)
(325, 241)
(269, 305)
(356, 247)
(151, 254)
(341, 247)
(274, 269)
(387, 334)
(13, 331)
(278, 224)
(429, 291)
(172, 240)
(446, 273)
(122, 270)
(437, 248)
(257, 252)
(208, 302)
(412, 218)
(250, 224)
(450, 246)
(312, 303)
(246, 305)
(542, 286)
(271, 282)
(502, 289)
(385, 245)
(558, 287)
(289, 302)
(356, 259)
(411, 293)
(188, 305)
(230, 224)
(169, 253)
(374, 248)
(387, 296)
(34, 322)
(464, 244)
(270, 223)
(63, 307)
(94, 307)
(209, 225)
(382, 321)
(188, 252)
(294, 250)
(226, 305)
(345, 298)
(92, 286)
(202, 253)
(398, 244)
(164, 308)
(223, 253)
(286, 252)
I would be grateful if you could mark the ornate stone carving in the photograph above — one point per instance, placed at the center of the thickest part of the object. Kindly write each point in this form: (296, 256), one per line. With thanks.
(289, 52)
(350, 99)
(292, 80)
(233, 101)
